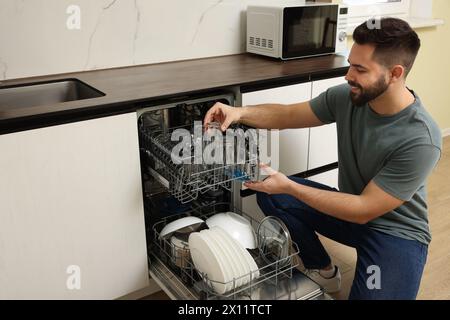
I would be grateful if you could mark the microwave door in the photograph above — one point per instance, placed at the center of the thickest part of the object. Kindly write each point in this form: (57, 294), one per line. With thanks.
(309, 31)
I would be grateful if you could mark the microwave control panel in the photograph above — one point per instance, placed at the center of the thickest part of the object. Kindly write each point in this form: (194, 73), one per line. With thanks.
(341, 41)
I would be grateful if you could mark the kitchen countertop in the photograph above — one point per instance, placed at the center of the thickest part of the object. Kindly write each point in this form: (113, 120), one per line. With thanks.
(127, 87)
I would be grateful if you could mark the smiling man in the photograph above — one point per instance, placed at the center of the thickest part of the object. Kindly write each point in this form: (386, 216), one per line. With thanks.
(388, 145)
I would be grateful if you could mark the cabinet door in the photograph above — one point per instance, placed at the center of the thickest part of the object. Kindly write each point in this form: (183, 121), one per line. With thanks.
(71, 211)
(323, 140)
(293, 143)
(329, 178)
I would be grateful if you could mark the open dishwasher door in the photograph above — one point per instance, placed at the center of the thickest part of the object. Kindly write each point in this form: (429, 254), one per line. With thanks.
(174, 190)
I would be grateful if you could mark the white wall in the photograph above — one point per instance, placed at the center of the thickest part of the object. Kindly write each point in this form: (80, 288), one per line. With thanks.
(35, 39)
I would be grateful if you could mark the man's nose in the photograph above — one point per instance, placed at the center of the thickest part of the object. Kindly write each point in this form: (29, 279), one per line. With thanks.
(349, 76)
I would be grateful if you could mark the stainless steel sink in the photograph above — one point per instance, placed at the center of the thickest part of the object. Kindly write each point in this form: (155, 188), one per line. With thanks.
(48, 93)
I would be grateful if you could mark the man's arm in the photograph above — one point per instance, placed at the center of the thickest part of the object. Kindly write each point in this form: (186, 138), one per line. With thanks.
(371, 204)
(278, 116)
(267, 116)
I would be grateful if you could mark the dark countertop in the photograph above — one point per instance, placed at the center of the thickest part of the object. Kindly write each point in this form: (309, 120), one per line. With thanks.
(128, 87)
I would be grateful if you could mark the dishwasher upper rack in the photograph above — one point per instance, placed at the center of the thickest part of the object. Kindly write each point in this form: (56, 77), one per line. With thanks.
(271, 274)
(186, 180)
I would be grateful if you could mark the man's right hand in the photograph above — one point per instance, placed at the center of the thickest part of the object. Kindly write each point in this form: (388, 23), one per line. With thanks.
(224, 114)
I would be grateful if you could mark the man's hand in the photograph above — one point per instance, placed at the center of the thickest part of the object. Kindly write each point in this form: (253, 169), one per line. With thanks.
(224, 114)
(275, 183)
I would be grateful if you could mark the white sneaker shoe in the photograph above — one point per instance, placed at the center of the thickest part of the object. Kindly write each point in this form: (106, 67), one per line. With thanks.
(330, 285)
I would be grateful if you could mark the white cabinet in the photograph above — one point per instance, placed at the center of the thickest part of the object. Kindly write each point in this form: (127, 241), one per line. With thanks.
(293, 143)
(323, 148)
(71, 212)
(329, 178)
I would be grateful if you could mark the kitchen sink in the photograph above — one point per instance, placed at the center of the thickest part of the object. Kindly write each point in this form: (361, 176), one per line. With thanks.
(46, 93)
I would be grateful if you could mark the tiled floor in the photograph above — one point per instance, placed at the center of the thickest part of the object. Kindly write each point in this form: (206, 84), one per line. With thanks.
(436, 279)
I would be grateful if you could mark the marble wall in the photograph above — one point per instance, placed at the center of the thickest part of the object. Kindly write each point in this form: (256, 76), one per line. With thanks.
(40, 37)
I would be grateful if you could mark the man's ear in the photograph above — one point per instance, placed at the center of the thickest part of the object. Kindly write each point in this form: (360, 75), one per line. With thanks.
(397, 73)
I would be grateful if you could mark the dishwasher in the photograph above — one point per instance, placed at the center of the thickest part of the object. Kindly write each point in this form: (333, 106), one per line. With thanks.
(173, 190)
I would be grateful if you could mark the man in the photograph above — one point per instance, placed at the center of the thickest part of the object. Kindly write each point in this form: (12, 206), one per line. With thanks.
(388, 145)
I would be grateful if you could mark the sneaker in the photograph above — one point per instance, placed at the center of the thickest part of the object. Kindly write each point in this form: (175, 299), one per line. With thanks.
(330, 285)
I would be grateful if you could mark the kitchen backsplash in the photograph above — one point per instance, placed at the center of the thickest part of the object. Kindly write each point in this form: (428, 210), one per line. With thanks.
(41, 37)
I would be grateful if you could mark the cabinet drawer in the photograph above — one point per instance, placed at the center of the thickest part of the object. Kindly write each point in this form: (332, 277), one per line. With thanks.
(323, 147)
(329, 178)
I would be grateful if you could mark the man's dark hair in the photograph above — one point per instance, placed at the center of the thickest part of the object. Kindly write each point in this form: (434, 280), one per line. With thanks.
(394, 40)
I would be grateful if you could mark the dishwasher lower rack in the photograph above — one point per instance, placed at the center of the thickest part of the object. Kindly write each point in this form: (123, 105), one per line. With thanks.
(273, 276)
(192, 177)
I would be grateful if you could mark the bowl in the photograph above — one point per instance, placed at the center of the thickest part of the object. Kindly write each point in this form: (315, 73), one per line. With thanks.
(237, 226)
(181, 255)
(178, 224)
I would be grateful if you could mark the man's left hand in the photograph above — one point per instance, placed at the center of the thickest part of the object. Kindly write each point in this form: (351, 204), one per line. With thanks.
(275, 183)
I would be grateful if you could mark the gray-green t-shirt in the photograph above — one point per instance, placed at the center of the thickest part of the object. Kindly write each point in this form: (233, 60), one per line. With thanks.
(397, 152)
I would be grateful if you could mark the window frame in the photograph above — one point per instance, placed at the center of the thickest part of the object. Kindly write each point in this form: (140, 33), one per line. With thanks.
(401, 8)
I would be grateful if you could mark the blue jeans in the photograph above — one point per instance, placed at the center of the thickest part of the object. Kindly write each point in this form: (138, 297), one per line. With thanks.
(387, 267)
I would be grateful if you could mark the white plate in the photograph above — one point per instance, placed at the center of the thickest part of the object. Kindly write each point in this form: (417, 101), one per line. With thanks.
(179, 224)
(207, 262)
(242, 256)
(231, 262)
(220, 254)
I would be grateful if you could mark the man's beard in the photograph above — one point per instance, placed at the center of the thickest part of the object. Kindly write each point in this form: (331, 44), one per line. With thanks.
(366, 95)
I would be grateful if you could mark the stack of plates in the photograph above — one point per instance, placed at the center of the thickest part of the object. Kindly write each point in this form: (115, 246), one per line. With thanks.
(226, 264)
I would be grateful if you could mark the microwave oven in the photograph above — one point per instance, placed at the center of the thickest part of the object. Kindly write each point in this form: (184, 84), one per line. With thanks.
(296, 31)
